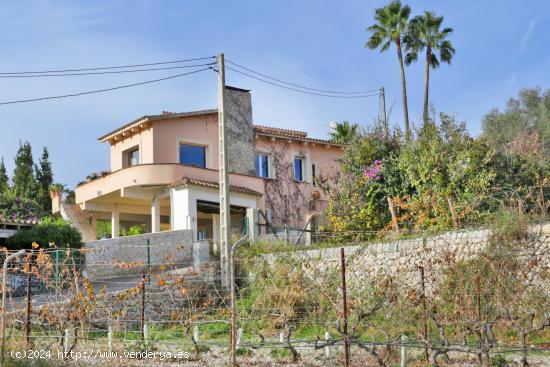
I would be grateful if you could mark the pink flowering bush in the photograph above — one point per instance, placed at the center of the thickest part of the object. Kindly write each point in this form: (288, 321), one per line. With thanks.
(15, 208)
(373, 172)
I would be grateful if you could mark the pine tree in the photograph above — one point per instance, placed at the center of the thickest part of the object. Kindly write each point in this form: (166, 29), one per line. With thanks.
(24, 182)
(44, 178)
(4, 179)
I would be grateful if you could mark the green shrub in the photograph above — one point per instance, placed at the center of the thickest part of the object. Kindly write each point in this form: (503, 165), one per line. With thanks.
(135, 230)
(50, 232)
(498, 361)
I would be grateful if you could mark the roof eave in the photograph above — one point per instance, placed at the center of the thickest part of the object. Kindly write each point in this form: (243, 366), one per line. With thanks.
(150, 118)
(309, 140)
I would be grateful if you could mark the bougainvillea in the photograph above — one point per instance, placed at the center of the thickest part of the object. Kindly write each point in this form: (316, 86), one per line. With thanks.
(15, 208)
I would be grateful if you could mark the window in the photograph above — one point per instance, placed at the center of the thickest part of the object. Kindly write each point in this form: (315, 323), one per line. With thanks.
(313, 173)
(299, 169)
(193, 155)
(131, 157)
(262, 165)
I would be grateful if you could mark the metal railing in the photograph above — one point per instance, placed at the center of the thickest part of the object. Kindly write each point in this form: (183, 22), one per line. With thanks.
(69, 214)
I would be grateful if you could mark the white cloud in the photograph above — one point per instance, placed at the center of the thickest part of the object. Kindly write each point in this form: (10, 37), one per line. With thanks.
(527, 35)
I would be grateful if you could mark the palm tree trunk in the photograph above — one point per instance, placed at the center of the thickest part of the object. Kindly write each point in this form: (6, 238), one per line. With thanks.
(427, 83)
(404, 89)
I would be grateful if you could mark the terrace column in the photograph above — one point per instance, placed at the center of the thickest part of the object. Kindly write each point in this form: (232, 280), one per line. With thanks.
(115, 222)
(252, 217)
(155, 215)
(184, 210)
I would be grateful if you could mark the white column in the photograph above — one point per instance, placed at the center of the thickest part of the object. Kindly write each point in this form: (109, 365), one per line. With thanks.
(184, 209)
(155, 215)
(115, 222)
(253, 228)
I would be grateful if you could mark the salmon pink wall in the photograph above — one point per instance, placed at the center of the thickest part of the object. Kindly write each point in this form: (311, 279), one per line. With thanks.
(143, 139)
(200, 130)
(315, 153)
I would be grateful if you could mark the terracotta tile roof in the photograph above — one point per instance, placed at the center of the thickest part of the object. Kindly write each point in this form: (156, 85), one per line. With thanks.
(186, 181)
(291, 134)
(281, 132)
(19, 221)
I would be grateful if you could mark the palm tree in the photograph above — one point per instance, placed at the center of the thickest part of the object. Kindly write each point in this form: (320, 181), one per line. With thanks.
(390, 27)
(343, 132)
(424, 33)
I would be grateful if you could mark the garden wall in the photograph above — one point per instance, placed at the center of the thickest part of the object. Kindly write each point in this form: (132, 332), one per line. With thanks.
(402, 260)
(128, 255)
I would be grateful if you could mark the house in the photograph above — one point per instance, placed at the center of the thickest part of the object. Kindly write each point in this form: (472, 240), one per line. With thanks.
(164, 173)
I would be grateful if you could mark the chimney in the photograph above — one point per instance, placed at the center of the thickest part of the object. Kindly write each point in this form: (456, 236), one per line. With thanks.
(240, 131)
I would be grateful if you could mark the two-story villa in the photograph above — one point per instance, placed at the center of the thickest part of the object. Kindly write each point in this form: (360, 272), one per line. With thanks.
(164, 173)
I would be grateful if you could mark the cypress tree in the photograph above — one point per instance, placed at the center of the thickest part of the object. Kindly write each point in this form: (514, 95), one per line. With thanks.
(24, 182)
(4, 180)
(44, 178)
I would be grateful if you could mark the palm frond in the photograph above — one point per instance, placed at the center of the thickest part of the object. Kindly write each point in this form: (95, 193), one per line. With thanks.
(434, 62)
(411, 57)
(385, 46)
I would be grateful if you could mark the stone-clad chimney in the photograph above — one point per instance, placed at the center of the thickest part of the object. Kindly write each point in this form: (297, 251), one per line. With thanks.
(240, 132)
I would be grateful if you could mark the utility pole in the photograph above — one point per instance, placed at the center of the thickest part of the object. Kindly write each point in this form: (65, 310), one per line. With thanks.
(225, 215)
(384, 117)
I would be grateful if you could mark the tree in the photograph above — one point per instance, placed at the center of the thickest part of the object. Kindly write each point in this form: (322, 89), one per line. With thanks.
(361, 202)
(4, 179)
(424, 33)
(344, 132)
(450, 172)
(44, 178)
(24, 182)
(527, 113)
(391, 27)
(521, 136)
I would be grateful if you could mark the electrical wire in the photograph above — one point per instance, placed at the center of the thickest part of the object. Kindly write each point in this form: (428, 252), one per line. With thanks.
(103, 90)
(301, 91)
(107, 67)
(103, 72)
(301, 86)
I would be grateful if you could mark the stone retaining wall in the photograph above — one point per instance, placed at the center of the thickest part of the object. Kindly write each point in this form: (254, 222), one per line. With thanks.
(401, 260)
(164, 302)
(107, 258)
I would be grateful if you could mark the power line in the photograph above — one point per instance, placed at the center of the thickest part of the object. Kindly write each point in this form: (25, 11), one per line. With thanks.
(107, 67)
(101, 72)
(299, 90)
(301, 86)
(103, 90)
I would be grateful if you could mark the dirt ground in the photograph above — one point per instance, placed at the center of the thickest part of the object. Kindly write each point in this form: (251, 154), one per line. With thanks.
(218, 357)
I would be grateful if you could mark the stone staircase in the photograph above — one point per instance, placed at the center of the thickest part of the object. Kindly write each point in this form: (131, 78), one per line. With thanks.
(78, 219)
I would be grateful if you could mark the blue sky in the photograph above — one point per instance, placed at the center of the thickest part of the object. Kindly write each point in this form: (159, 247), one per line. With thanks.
(501, 47)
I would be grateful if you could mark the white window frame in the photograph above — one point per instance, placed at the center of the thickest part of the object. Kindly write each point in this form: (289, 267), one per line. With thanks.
(304, 171)
(126, 156)
(269, 163)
